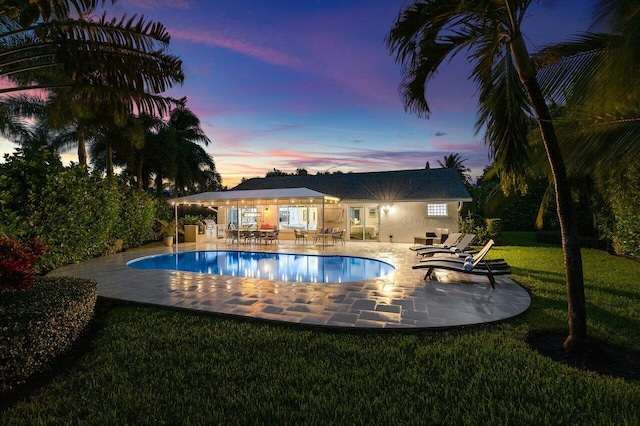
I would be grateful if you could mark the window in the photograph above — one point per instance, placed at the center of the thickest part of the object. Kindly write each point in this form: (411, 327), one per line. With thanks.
(437, 209)
(297, 217)
(248, 218)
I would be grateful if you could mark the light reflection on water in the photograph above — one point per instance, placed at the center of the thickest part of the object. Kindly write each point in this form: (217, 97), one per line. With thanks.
(269, 266)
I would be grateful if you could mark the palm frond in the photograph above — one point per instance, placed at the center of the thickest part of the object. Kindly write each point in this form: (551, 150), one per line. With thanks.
(34, 10)
(422, 45)
(504, 113)
(126, 56)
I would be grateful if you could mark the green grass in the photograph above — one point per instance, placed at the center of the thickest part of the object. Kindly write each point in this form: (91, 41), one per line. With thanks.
(153, 365)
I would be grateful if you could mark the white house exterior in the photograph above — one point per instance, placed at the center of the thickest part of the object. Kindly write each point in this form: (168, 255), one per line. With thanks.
(396, 206)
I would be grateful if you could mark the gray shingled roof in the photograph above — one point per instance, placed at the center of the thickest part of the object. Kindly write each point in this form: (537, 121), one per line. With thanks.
(402, 185)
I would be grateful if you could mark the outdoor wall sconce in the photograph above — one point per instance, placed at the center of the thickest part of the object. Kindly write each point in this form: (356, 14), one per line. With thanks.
(386, 209)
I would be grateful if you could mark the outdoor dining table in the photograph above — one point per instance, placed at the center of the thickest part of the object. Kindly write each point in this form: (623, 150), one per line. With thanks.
(322, 237)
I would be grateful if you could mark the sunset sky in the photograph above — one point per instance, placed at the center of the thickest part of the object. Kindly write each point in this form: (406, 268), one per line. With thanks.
(310, 84)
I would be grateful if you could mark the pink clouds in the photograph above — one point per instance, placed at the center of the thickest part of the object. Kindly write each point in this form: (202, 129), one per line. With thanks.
(172, 4)
(346, 54)
(261, 53)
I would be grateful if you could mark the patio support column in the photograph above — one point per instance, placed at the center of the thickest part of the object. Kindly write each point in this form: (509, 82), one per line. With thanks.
(324, 237)
(238, 221)
(175, 208)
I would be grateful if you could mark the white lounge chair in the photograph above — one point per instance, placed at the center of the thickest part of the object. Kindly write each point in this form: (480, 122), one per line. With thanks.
(474, 265)
(456, 248)
(451, 240)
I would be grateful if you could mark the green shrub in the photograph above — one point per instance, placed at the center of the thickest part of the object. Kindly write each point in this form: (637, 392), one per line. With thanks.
(494, 230)
(190, 220)
(38, 325)
(137, 219)
(70, 210)
(77, 214)
(626, 232)
(485, 229)
(618, 212)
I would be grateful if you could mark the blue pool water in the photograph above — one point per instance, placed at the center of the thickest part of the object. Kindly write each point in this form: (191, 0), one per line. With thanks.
(269, 266)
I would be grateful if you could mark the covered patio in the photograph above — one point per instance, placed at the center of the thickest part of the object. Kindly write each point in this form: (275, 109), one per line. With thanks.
(285, 209)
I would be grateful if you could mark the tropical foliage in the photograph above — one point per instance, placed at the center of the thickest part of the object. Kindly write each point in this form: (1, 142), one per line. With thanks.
(188, 164)
(118, 64)
(456, 161)
(78, 214)
(595, 82)
(426, 34)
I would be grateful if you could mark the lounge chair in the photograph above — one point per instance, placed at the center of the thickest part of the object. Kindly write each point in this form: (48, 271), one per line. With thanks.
(471, 265)
(450, 241)
(456, 249)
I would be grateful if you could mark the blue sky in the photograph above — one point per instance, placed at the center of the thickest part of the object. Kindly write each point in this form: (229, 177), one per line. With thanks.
(310, 84)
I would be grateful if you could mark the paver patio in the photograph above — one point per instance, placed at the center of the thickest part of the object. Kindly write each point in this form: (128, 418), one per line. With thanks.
(400, 300)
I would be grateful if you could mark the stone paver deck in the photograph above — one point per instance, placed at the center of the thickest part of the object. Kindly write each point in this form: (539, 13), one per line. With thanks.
(400, 300)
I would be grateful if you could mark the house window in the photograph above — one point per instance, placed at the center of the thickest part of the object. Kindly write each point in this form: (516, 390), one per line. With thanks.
(297, 217)
(436, 209)
(248, 218)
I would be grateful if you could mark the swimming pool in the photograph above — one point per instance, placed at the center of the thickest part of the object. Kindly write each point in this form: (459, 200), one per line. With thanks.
(271, 266)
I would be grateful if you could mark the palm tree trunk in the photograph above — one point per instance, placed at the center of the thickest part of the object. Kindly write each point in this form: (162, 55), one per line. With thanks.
(159, 185)
(109, 160)
(576, 342)
(139, 173)
(82, 149)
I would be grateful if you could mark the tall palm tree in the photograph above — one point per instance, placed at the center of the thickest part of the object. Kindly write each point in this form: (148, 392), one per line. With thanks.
(455, 161)
(48, 44)
(116, 142)
(429, 32)
(190, 166)
(78, 125)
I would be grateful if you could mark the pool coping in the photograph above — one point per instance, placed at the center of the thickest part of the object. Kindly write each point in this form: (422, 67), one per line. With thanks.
(399, 301)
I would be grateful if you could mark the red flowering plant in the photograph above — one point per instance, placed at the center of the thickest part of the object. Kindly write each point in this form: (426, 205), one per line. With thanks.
(16, 263)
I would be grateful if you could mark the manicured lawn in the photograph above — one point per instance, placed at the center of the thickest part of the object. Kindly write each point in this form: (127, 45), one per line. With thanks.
(153, 365)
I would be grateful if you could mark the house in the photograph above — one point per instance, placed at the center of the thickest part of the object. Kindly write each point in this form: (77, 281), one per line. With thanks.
(377, 206)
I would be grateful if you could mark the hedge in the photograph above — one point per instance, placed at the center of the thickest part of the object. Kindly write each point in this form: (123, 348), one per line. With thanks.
(40, 324)
(77, 214)
(485, 229)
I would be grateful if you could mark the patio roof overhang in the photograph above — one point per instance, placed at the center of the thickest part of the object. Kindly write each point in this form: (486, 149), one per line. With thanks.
(257, 196)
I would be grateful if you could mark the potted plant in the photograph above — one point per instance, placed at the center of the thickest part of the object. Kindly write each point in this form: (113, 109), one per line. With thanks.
(168, 231)
(190, 224)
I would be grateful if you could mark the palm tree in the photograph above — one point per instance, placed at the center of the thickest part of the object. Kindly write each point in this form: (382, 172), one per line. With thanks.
(48, 44)
(116, 142)
(175, 152)
(429, 32)
(455, 161)
(78, 125)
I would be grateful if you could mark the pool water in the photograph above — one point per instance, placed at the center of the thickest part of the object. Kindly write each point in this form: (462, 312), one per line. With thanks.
(270, 266)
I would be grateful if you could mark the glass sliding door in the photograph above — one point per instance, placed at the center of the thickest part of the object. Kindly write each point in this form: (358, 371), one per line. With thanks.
(363, 223)
(372, 223)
